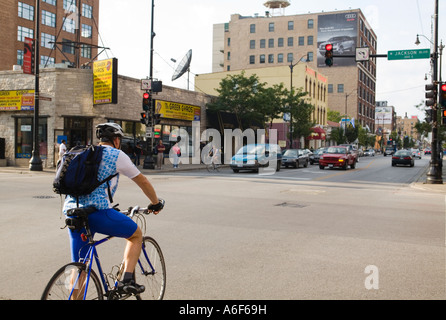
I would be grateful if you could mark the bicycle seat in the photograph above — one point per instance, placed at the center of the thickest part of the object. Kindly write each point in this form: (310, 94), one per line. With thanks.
(80, 212)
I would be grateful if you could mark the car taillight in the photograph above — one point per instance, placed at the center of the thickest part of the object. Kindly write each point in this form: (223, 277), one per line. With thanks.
(407, 158)
(395, 157)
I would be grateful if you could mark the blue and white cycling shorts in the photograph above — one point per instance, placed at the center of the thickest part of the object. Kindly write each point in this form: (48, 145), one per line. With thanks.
(108, 222)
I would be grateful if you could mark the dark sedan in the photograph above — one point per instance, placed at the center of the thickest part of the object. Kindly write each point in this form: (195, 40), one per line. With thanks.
(403, 157)
(314, 158)
(295, 158)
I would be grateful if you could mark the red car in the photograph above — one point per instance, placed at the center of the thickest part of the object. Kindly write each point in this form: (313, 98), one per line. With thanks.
(337, 157)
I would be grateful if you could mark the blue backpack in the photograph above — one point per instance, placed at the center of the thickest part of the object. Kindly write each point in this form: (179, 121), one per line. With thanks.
(77, 173)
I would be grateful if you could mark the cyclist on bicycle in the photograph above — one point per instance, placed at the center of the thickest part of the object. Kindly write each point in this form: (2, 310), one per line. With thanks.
(107, 220)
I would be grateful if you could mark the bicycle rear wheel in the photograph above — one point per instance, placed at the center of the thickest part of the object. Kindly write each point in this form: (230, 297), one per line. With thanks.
(151, 271)
(69, 281)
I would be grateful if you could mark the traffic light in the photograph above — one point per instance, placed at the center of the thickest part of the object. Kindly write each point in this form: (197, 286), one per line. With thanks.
(329, 54)
(442, 95)
(443, 116)
(431, 94)
(144, 118)
(156, 118)
(146, 101)
(429, 115)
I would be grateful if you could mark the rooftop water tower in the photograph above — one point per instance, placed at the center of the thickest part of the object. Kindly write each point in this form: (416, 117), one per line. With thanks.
(277, 6)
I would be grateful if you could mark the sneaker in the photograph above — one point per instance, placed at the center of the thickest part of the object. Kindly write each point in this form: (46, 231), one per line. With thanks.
(130, 287)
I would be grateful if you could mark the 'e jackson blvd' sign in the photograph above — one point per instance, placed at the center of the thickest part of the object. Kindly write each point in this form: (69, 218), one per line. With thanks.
(409, 54)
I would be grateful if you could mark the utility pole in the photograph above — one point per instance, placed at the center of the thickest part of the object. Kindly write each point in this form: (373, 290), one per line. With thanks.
(434, 175)
(35, 164)
(149, 162)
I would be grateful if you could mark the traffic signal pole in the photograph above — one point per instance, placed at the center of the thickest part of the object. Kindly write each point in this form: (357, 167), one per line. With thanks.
(149, 162)
(434, 175)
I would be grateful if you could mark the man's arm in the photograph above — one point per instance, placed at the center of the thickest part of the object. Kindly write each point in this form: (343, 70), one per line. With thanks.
(146, 187)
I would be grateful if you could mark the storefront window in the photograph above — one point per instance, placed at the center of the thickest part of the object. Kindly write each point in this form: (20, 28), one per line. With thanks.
(24, 138)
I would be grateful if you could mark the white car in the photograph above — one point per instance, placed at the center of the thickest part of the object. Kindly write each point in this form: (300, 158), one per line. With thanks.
(369, 153)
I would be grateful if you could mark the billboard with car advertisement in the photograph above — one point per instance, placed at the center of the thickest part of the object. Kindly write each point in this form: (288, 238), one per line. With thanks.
(340, 30)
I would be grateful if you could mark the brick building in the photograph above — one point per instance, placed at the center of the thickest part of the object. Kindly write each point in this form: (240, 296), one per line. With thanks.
(279, 40)
(68, 31)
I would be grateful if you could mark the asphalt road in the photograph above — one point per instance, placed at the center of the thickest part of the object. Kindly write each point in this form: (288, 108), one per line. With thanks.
(299, 234)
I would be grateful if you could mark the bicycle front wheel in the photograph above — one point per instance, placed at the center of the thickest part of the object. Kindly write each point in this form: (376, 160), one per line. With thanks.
(151, 271)
(70, 283)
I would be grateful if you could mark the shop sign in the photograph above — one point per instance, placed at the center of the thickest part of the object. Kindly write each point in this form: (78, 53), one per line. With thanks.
(105, 81)
(179, 111)
(16, 100)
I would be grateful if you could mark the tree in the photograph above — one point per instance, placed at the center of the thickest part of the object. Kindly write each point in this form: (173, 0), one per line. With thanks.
(334, 116)
(300, 112)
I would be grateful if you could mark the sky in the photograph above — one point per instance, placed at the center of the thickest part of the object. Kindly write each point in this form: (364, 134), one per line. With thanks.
(180, 25)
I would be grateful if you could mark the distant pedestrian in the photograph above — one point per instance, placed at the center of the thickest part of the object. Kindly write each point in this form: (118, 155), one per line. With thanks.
(62, 149)
(138, 152)
(160, 148)
(175, 154)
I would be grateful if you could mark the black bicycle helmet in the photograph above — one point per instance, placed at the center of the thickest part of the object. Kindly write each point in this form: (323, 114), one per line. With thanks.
(106, 132)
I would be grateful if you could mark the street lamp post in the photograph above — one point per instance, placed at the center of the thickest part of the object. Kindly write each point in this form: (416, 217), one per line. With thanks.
(35, 164)
(291, 89)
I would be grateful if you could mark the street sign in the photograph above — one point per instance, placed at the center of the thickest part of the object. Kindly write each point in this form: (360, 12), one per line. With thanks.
(362, 54)
(409, 54)
(146, 84)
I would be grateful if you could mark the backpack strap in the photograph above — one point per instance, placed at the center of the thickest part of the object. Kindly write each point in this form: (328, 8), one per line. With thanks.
(107, 180)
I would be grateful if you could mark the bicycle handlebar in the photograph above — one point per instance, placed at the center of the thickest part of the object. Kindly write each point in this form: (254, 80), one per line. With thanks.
(131, 211)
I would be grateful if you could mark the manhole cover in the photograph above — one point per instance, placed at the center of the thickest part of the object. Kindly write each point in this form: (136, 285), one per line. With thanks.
(44, 197)
(291, 205)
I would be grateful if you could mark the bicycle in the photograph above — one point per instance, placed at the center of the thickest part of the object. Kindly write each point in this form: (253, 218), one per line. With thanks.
(78, 280)
(213, 167)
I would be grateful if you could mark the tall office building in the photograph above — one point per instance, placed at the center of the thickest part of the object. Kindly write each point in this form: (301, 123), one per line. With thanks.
(276, 39)
(68, 31)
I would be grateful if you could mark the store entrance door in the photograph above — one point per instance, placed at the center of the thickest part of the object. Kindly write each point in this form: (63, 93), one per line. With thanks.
(78, 131)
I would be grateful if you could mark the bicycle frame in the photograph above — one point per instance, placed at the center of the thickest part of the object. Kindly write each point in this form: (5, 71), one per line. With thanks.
(91, 255)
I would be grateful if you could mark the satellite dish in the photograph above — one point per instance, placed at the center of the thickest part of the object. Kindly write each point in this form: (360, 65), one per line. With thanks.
(183, 66)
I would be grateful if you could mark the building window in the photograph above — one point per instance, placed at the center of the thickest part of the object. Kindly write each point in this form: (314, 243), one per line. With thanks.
(340, 88)
(229, 56)
(52, 2)
(280, 58)
(24, 137)
(67, 46)
(252, 44)
(290, 25)
(270, 43)
(252, 59)
(262, 58)
(48, 18)
(45, 60)
(46, 39)
(26, 11)
(86, 31)
(69, 5)
(86, 51)
(290, 41)
(310, 23)
(23, 32)
(310, 40)
(310, 56)
(69, 25)
(20, 57)
(87, 11)
(262, 43)
(290, 57)
(280, 42)
(270, 58)
(229, 42)
(301, 41)
(252, 28)
(271, 27)
(330, 88)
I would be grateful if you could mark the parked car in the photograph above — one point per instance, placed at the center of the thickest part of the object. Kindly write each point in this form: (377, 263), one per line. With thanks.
(416, 153)
(255, 156)
(338, 156)
(403, 157)
(427, 151)
(389, 151)
(314, 158)
(369, 153)
(295, 158)
(352, 149)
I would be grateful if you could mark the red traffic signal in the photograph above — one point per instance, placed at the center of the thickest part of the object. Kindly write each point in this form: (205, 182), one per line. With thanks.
(442, 95)
(329, 54)
(146, 95)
